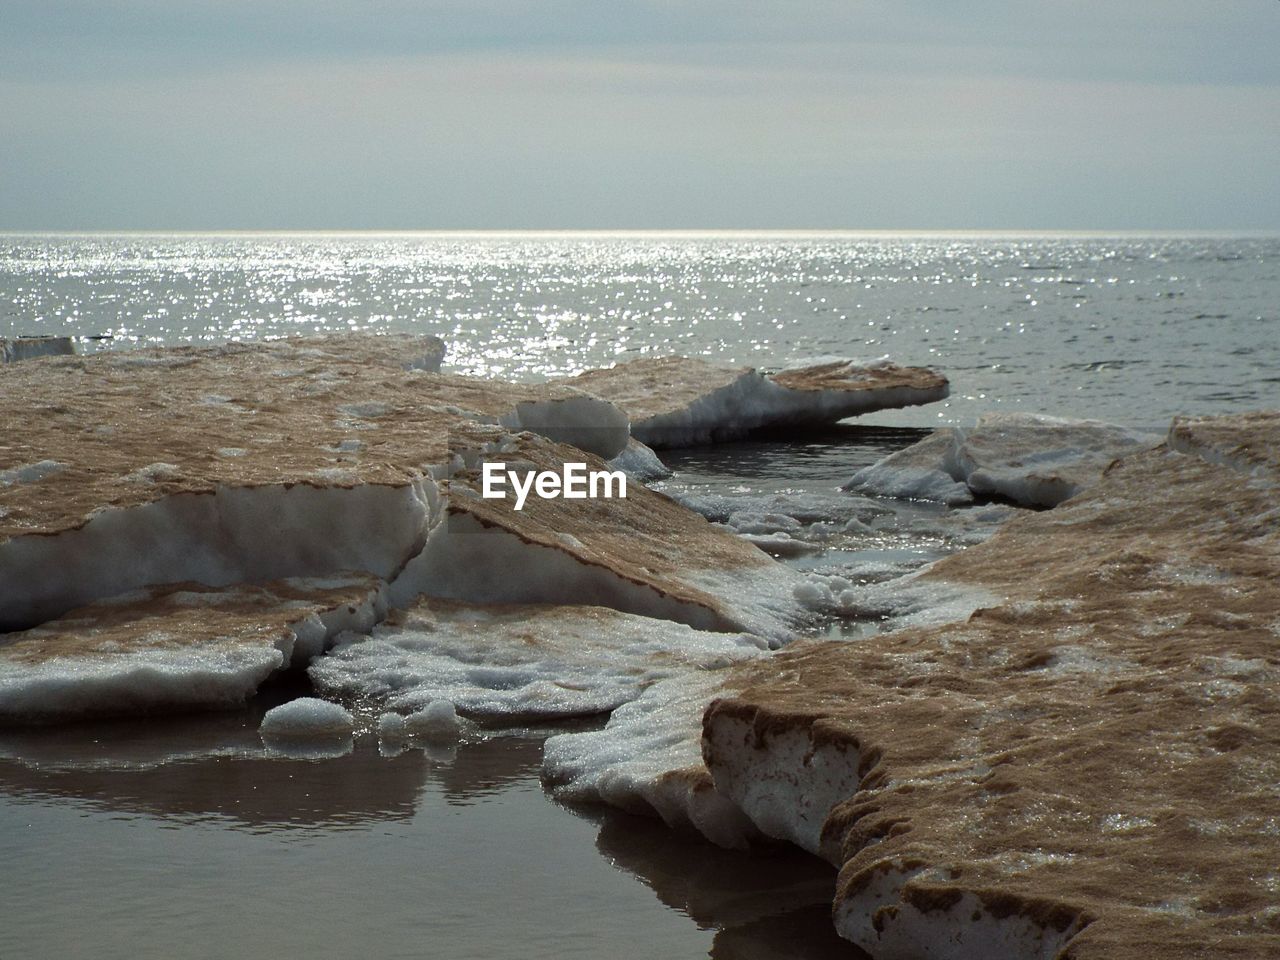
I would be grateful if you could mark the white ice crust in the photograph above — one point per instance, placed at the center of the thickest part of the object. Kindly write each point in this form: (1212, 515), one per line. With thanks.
(307, 718)
(584, 421)
(139, 682)
(912, 600)
(1030, 459)
(235, 535)
(216, 673)
(760, 776)
(640, 463)
(30, 472)
(464, 560)
(494, 662)
(635, 762)
(850, 366)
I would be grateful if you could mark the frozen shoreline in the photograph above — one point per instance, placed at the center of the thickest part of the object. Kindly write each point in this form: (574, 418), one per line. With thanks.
(1084, 760)
(645, 608)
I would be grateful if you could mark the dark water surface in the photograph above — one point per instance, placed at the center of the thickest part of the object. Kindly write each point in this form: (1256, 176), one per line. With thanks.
(192, 842)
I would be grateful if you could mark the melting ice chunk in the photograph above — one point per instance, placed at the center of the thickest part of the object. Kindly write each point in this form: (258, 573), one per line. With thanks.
(307, 718)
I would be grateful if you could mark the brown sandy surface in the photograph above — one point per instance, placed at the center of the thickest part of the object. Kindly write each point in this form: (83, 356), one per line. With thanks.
(120, 429)
(1100, 748)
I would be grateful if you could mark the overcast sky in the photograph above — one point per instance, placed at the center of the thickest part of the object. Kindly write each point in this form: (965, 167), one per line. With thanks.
(477, 114)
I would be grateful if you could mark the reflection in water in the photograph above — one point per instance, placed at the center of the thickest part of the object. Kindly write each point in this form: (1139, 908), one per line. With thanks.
(194, 768)
(155, 839)
(255, 791)
(769, 905)
(802, 934)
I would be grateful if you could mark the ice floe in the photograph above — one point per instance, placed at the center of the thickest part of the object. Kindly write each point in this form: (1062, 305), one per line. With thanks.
(308, 728)
(681, 401)
(307, 718)
(640, 463)
(1029, 459)
(13, 349)
(158, 500)
(137, 481)
(988, 784)
(1240, 442)
(648, 760)
(966, 770)
(645, 555)
(174, 648)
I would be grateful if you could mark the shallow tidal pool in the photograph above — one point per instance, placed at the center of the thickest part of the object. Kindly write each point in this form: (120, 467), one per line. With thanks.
(193, 841)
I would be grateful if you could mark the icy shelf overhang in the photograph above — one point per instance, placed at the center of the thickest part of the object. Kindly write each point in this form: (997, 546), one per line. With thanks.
(1029, 459)
(186, 646)
(244, 462)
(642, 554)
(1089, 760)
(683, 401)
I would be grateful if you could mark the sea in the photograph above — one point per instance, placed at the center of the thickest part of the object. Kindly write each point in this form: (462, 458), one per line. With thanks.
(185, 837)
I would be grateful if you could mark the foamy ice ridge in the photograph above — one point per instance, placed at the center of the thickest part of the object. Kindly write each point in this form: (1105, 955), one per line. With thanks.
(519, 661)
(648, 756)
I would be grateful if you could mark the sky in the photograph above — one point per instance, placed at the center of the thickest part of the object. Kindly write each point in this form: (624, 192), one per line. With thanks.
(640, 114)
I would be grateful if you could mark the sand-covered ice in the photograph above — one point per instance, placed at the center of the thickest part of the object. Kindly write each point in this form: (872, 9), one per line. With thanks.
(1084, 763)
(254, 463)
(643, 554)
(243, 462)
(170, 648)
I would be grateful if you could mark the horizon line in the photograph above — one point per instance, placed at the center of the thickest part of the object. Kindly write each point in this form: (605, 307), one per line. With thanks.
(683, 232)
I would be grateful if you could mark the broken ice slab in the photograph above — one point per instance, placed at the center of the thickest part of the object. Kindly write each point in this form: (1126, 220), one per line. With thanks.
(181, 647)
(1029, 459)
(684, 401)
(243, 462)
(644, 554)
(249, 463)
